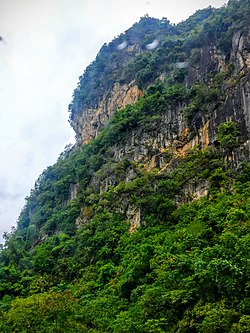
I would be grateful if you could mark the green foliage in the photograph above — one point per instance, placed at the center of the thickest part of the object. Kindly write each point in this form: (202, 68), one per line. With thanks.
(219, 27)
(78, 262)
(184, 269)
(197, 18)
(228, 136)
(48, 312)
(112, 65)
(202, 96)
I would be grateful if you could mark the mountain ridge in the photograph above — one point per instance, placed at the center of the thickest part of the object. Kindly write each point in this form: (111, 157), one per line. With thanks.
(143, 226)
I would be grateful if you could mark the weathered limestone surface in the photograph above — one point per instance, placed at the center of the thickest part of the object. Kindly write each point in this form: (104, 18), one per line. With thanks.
(174, 135)
(91, 121)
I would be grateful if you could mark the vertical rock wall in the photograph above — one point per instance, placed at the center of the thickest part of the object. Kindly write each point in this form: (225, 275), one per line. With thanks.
(174, 132)
(92, 121)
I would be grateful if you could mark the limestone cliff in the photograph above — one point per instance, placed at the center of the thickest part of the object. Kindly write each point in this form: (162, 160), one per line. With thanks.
(92, 120)
(132, 230)
(109, 83)
(175, 133)
(151, 95)
(181, 126)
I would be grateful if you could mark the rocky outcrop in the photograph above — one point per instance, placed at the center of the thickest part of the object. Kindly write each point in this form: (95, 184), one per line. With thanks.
(92, 120)
(174, 134)
(73, 191)
(195, 190)
(134, 218)
(171, 138)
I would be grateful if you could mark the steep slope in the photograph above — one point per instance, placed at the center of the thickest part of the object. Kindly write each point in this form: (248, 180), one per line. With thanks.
(143, 226)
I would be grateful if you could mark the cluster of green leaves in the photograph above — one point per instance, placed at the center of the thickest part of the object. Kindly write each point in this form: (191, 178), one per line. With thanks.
(184, 269)
(219, 27)
(228, 135)
(148, 66)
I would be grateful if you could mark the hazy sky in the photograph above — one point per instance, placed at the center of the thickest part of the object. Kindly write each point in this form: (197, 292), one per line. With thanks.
(46, 46)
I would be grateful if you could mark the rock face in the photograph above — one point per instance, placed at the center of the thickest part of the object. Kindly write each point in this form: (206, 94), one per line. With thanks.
(194, 80)
(92, 120)
(174, 133)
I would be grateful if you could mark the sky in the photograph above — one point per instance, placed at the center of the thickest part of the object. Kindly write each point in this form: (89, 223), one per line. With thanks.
(45, 47)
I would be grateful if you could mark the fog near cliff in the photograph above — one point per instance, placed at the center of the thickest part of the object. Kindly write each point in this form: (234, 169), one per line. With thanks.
(45, 46)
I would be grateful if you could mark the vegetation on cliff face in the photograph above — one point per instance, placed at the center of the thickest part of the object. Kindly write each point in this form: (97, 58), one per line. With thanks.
(177, 43)
(184, 269)
(110, 245)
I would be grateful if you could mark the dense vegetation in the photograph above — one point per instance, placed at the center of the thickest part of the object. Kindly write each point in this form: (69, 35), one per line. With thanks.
(183, 270)
(77, 263)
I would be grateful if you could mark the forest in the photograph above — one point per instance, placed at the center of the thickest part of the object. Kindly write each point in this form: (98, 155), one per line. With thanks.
(142, 249)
